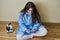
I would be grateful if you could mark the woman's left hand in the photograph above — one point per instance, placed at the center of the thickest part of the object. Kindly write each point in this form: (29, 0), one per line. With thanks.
(33, 30)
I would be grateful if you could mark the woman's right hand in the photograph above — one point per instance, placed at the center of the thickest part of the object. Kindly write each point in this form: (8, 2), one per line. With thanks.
(28, 31)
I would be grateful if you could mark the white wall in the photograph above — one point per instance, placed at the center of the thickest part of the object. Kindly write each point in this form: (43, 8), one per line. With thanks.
(50, 9)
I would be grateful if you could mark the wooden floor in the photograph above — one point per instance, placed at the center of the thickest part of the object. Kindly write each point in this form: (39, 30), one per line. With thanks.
(53, 32)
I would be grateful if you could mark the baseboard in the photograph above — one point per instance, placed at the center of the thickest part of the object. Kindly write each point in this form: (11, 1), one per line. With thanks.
(16, 22)
(6, 22)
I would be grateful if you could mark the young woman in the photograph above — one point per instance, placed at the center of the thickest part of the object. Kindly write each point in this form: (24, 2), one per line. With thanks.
(29, 23)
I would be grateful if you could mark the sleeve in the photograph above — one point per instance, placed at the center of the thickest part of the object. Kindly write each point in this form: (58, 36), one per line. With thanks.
(36, 26)
(22, 27)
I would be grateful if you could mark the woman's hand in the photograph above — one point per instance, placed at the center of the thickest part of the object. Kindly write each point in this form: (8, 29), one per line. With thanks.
(33, 30)
(28, 31)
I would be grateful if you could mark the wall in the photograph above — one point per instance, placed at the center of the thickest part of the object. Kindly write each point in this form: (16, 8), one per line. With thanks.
(48, 9)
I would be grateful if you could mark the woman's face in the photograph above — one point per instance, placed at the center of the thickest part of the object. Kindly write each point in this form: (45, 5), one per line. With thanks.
(30, 10)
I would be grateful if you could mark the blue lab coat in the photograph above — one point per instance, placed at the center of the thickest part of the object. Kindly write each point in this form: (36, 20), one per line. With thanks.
(25, 23)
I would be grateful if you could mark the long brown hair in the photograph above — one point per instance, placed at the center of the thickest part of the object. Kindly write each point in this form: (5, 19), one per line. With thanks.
(35, 13)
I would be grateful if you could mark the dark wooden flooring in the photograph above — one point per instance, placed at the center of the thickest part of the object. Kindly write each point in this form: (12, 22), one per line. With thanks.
(53, 32)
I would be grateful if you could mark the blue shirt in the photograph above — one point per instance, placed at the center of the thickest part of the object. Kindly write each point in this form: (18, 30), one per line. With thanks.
(25, 23)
